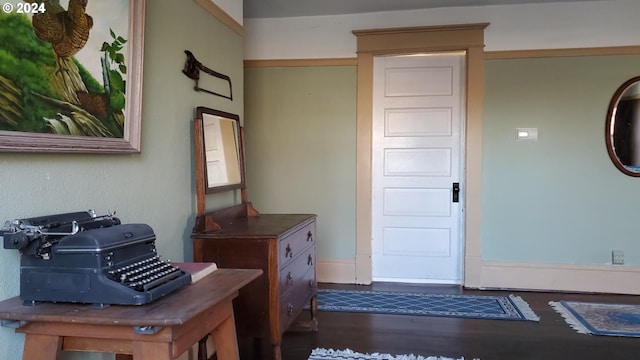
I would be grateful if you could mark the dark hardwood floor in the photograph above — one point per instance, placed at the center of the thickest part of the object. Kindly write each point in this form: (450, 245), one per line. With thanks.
(549, 339)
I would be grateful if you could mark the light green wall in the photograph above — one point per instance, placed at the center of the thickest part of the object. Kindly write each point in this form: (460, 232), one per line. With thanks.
(556, 200)
(301, 145)
(560, 199)
(157, 186)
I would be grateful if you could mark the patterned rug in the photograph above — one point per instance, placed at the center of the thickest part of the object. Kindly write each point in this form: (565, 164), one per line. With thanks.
(600, 318)
(330, 354)
(443, 305)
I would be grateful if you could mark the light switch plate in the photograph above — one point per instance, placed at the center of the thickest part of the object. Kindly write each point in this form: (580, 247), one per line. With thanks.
(530, 134)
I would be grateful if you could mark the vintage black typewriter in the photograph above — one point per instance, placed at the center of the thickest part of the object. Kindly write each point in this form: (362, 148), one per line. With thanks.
(83, 258)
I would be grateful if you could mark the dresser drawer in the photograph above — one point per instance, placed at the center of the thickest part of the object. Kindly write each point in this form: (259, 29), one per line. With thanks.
(298, 296)
(296, 273)
(292, 245)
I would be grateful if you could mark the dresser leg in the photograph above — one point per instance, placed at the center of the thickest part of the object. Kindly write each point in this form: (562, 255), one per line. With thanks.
(202, 348)
(313, 323)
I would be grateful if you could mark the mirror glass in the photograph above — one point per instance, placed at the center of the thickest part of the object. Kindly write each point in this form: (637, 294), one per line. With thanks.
(219, 150)
(623, 128)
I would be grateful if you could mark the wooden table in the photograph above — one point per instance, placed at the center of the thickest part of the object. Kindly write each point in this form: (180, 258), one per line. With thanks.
(160, 330)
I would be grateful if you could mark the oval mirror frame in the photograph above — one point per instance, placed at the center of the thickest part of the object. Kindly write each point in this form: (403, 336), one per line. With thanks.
(619, 124)
(219, 152)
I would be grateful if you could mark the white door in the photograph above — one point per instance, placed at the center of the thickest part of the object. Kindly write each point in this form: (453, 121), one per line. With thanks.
(418, 119)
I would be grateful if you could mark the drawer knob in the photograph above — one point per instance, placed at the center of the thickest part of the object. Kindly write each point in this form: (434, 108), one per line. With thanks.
(309, 236)
(310, 284)
(290, 309)
(288, 252)
(309, 260)
(289, 278)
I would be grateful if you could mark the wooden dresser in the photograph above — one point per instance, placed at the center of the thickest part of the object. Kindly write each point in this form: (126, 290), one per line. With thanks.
(283, 246)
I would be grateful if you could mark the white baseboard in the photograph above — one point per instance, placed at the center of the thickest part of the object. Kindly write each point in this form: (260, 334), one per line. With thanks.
(614, 279)
(337, 271)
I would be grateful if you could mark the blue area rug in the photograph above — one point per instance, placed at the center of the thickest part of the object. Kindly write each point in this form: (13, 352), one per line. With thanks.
(330, 354)
(442, 305)
(600, 318)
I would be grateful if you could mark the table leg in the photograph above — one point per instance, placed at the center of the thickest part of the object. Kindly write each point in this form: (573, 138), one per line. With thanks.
(225, 340)
(276, 352)
(42, 347)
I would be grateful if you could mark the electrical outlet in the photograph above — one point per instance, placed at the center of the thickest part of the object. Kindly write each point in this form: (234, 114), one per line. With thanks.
(617, 257)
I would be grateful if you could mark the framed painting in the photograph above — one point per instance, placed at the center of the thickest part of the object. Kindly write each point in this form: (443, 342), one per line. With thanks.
(71, 75)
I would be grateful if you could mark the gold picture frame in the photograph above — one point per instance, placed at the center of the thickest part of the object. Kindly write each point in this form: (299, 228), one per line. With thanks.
(117, 104)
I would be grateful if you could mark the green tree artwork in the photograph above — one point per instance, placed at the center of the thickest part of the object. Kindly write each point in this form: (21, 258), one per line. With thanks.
(43, 86)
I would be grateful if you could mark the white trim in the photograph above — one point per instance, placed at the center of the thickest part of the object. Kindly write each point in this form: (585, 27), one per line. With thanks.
(233, 8)
(613, 279)
(546, 25)
(222, 15)
(337, 271)
(416, 281)
(363, 267)
(521, 276)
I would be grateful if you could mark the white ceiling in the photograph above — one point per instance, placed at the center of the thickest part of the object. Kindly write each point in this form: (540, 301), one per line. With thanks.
(291, 8)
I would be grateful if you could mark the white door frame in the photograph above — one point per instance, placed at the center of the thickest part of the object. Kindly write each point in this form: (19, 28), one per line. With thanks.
(467, 37)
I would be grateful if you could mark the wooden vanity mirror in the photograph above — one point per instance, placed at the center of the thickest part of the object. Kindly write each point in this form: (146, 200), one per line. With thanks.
(281, 245)
(219, 156)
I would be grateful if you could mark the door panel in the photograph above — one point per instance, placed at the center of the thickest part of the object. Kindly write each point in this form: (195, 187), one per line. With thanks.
(409, 241)
(418, 122)
(418, 81)
(416, 202)
(417, 162)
